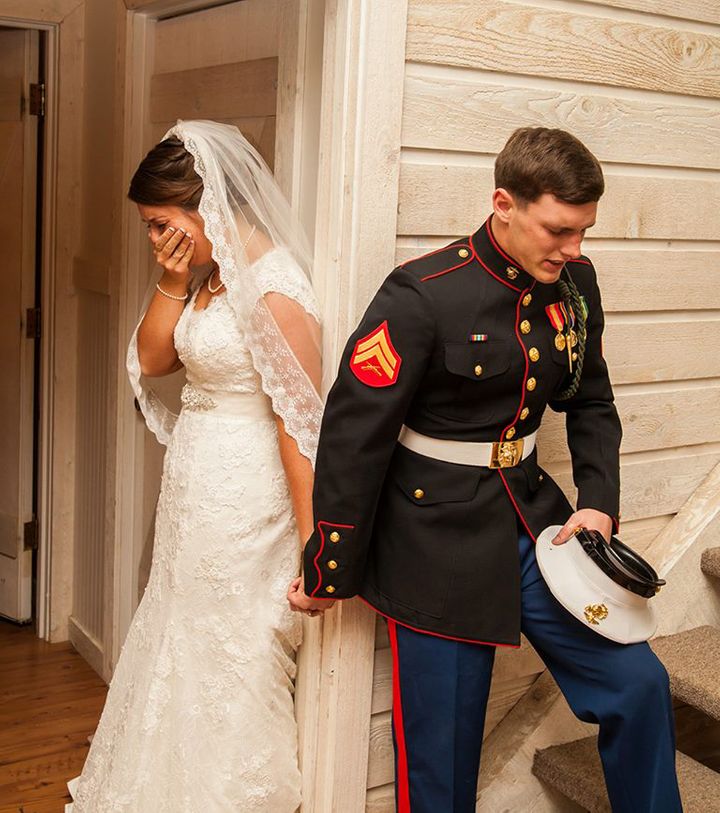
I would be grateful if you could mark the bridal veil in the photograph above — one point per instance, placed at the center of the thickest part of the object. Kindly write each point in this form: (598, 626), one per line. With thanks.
(241, 199)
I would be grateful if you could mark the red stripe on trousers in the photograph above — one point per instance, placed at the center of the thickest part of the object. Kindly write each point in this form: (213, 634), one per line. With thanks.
(403, 782)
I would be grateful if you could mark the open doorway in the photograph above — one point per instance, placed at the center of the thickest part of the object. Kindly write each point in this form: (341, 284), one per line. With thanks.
(253, 63)
(22, 102)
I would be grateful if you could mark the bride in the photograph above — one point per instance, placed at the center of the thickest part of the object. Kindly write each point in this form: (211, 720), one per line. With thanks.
(199, 715)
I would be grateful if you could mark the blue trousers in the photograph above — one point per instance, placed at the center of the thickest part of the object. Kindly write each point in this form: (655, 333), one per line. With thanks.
(440, 692)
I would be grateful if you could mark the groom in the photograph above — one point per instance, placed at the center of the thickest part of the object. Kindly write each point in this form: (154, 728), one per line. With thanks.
(428, 495)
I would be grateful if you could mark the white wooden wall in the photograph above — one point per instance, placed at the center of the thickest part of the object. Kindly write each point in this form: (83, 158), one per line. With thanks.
(89, 606)
(639, 82)
(220, 64)
(94, 401)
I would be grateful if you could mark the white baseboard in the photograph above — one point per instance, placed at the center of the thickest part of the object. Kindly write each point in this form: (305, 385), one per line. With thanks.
(87, 646)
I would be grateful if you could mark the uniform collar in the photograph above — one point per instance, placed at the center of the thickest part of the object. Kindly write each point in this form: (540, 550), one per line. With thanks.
(496, 262)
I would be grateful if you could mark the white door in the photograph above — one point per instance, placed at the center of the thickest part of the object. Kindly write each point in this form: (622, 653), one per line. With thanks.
(18, 170)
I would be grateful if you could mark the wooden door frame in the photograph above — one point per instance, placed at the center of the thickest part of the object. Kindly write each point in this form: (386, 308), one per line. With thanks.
(300, 71)
(355, 237)
(62, 22)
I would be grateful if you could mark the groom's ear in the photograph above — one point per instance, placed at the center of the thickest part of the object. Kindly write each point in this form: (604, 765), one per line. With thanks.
(504, 205)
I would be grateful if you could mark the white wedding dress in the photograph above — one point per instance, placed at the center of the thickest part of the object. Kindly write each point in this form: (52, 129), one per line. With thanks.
(199, 716)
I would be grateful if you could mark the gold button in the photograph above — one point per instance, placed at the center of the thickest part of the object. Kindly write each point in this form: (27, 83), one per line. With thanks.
(463, 252)
(510, 434)
(525, 326)
(527, 299)
(531, 384)
(524, 413)
(418, 493)
(334, 536)
(512, 272)
(574, 357)
(534, 354)
(540, 478)
(332, 564)
(478, 369)
(329, 589)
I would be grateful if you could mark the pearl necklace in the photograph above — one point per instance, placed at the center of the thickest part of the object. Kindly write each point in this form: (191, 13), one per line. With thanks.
(222, 284)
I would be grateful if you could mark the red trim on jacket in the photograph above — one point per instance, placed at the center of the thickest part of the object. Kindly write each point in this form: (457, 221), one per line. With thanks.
(402, 778)
(492, 273)
(516, 506)
(454, 268)
(582, 262)
(527, 361)
(430, 254)
(320, 550)
(496, 245)
(435, 634)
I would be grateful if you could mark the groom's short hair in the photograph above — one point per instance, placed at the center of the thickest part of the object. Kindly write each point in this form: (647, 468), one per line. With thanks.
(540, 160)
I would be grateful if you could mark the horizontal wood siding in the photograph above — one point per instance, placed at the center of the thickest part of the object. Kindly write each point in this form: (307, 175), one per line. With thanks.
(586, 44)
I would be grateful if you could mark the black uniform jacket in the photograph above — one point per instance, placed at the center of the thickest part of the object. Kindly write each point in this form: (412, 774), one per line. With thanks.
(456, 344)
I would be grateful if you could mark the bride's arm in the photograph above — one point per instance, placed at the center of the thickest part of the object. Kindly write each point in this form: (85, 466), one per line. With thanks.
(156, 348)
(299, 473)
(303, 338)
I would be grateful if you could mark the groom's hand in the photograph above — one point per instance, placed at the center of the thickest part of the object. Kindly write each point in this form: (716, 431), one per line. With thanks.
(300, 602)
(585, 518)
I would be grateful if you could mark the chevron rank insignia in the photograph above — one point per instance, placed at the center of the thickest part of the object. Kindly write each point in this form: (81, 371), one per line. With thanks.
(375, 361)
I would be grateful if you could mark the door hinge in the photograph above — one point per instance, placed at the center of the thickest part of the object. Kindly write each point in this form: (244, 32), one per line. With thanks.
(30, 536)
(37, 99)
(32, 323)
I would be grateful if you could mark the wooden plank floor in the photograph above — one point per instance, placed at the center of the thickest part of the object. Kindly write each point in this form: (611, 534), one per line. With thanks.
(50, 702)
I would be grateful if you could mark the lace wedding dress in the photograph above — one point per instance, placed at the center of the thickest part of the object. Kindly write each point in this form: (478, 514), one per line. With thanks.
(199, 716)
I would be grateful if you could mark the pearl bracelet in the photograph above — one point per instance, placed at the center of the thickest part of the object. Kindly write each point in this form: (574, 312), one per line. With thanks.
(171, 296)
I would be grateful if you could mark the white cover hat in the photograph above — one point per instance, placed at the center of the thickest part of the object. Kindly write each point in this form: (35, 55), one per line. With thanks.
(589, 594)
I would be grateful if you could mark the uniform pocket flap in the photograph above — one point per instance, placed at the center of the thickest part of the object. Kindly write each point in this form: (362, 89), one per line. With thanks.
(477, 360)
(427, 481)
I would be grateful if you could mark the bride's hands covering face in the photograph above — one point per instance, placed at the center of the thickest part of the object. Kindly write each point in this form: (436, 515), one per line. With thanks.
(178, 238)
(174, 250)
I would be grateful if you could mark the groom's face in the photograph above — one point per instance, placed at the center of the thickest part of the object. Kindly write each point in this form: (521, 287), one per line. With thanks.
(543, 235)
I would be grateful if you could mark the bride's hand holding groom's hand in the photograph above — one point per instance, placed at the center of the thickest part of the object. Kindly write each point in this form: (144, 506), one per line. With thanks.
(300, 602)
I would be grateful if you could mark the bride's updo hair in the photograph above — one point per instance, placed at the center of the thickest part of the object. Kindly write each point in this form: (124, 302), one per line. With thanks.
(166, 177)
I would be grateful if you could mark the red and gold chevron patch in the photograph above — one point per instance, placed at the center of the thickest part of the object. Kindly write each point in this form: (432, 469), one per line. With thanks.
(375, 361)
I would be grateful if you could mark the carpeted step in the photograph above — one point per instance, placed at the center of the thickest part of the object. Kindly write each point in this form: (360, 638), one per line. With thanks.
(692, 659)
(575, 770)
(710, 562)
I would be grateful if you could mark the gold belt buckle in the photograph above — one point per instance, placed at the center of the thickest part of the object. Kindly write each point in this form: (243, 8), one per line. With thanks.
(506, 453)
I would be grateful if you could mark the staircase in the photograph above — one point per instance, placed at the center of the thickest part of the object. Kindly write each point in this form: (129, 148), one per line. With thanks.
(692, 659)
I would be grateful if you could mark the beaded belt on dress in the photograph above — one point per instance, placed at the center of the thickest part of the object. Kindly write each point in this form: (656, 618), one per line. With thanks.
(252, 405)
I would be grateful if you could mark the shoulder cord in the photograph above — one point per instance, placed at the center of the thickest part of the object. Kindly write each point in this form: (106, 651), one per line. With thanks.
(571, 298)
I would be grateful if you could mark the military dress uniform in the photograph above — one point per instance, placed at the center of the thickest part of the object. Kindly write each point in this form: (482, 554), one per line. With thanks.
(428, 497)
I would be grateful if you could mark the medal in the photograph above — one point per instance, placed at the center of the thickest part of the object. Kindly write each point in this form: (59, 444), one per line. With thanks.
(571, 338)
(556, 315)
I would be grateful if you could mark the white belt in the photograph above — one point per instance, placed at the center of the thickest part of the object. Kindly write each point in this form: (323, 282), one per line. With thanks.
(499, 455)
(254, 406)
